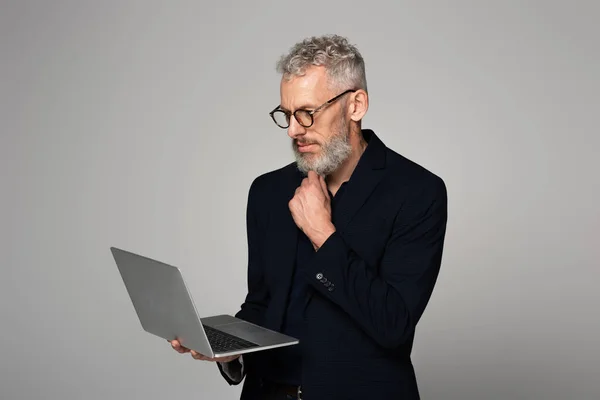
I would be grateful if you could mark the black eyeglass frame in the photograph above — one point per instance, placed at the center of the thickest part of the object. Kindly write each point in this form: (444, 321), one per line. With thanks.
(310, 113)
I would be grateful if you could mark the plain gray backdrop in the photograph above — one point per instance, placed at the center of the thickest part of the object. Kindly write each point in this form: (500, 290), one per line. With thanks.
(142, 124)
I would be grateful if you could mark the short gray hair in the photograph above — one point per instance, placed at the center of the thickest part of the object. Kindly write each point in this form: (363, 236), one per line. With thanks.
(342, 61)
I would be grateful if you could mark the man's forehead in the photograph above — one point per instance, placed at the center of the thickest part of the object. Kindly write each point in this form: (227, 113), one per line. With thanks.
(308, 90)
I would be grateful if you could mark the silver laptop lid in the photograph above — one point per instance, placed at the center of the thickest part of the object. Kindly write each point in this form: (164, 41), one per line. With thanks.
(162, 300)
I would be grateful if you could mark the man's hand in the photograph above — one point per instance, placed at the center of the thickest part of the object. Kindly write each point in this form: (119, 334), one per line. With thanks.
(181, 349)
(311, 209)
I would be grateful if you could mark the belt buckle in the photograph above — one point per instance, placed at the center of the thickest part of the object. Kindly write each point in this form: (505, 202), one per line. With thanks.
(299, 393)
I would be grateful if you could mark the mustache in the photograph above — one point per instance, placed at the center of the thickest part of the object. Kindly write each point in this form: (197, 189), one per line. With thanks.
(304, 142)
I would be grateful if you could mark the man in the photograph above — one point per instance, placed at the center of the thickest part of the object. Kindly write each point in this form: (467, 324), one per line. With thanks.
(345, 244)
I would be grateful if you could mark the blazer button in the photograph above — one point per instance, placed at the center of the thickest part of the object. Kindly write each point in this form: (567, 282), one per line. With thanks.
(330, 288)
(319, 276)
(327, 284)
(323, 280)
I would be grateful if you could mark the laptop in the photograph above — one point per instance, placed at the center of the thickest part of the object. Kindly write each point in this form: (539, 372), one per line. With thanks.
(166, 309)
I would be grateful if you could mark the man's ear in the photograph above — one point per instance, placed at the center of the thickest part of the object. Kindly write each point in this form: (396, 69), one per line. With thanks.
(359, 105)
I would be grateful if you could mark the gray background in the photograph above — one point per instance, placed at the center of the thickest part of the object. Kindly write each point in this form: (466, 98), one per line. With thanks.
(142, 124)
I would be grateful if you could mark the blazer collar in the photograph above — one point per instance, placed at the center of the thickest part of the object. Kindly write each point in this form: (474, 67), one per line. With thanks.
(374, 155)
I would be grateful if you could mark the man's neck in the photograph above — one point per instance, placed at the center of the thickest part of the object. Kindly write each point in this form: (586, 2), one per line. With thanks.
(344, 172)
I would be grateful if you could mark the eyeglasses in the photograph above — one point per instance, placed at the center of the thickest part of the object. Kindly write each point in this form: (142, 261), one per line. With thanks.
(304, 117)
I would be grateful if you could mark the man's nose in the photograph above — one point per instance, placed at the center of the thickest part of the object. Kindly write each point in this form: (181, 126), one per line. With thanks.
(295, 129)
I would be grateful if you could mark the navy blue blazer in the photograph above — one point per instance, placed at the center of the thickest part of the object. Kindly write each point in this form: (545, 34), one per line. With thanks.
(381, 264)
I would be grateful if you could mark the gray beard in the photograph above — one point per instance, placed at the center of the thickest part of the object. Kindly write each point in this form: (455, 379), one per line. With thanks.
(333, 154)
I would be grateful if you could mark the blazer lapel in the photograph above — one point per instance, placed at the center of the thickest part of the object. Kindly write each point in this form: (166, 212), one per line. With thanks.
(365, 178)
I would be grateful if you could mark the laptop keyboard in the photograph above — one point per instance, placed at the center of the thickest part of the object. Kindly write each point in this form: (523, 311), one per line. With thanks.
(222, 342)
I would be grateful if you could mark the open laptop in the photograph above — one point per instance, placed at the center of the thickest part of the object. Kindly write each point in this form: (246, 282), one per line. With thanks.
(166, 309)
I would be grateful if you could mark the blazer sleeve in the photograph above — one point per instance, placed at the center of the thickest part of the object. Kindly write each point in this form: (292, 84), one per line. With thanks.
(388, 300)
(257, 298)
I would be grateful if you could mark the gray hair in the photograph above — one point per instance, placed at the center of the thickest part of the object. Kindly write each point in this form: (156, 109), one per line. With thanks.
(343, 62)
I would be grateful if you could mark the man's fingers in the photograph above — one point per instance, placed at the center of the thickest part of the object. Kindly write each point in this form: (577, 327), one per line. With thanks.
(324, 186)
(198, 356)
(318, 180)
(178, 347)
(312, 177)
(224, 359)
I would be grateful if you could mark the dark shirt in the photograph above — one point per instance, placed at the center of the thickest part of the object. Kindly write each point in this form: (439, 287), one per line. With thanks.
(286, 362)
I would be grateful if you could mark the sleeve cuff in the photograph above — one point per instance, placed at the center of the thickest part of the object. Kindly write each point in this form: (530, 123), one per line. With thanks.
(234, 369)
(323, 272)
